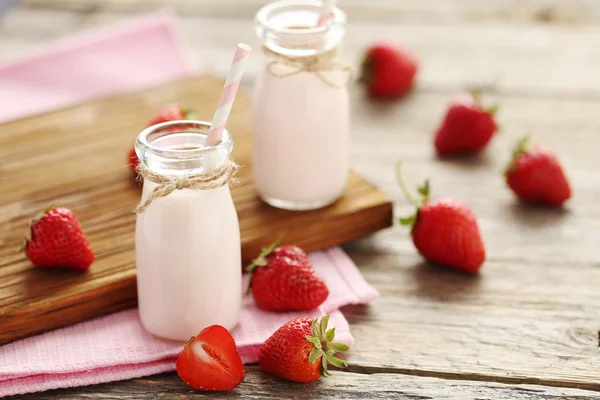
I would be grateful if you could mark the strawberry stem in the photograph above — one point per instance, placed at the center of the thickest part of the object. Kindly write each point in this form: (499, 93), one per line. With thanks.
(521, 147)
(34, 221)
(261, 261)
(476, 93)
(366, 68)
(189, 113)
(493, 109)
(403, 187)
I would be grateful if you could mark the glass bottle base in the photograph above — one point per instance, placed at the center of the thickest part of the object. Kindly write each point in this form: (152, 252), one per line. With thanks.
(298, 205)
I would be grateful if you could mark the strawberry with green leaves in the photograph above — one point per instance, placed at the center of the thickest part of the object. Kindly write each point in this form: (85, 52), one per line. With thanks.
(536, 176)
(282, 279)
(444, 230)
(55, 239)
(301, 350)
(468, 126)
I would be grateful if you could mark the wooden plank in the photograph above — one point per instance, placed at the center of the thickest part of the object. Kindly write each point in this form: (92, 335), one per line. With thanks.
(523, 60)
(515, 322)
(531, 315)
(77, 158)
(341, 385)
(379, 11)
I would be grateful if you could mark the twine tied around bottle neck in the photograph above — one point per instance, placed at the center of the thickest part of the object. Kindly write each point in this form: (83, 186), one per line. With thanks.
(220, 176)
(317, 64)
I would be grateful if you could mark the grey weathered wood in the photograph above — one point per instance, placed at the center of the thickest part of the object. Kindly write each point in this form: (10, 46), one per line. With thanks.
(393, 11)
(521, 58)
(531, 315)
(341, 385)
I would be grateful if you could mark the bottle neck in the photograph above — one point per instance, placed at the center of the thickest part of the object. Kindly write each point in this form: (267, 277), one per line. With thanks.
(177, 148)
(289, 27)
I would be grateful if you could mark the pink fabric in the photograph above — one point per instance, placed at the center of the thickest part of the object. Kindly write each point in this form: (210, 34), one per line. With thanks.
(116, 347)
(139, 54)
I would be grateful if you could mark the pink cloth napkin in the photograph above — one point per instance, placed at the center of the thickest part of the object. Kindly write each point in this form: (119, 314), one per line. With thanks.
(117, 347)
(139, 54)
(143, 53)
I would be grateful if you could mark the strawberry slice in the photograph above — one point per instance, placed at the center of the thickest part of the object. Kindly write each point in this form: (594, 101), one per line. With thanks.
(210, 361)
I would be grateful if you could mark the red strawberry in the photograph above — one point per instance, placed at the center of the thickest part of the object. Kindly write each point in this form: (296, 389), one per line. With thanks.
(210, 361)
(282, 279)
(55, 239)
(535, 175)
(172, 112)
(300, 350)
(388, 71)
(445, 230)
(467, 128)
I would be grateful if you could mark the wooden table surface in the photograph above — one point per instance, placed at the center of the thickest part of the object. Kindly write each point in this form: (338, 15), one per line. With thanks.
(526, 327)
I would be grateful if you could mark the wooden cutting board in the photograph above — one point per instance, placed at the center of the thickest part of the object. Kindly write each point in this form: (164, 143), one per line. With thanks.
(76, 157)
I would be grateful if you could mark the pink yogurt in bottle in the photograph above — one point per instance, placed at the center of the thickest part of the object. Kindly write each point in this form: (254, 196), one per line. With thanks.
(187, 243)
(301, 107)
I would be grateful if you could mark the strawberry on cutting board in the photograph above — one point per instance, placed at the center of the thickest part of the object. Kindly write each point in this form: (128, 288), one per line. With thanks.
(301, 350)
(55, 239)
(210, 361)
(467, 127)
(536, 176)
(444, 230)
(282, 279)
(172, 112)
(388, 71)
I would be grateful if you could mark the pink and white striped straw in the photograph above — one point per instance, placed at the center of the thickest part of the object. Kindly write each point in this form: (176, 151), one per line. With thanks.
(326, 12)
(232, 83)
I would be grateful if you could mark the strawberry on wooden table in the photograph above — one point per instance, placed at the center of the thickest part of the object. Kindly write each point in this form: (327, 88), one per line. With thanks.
(388, 72)
(301, 349)
(536, 176)
(55, 239)
(210, 361)
(282, 279)
(467, 127)
(444, 230)
(172, 112)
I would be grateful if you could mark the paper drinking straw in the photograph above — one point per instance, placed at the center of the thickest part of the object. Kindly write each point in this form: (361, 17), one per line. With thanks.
(326, 11)
(232, 83)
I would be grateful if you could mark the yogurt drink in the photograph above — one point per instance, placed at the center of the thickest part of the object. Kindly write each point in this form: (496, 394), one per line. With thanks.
(187, 243)
(301, 107)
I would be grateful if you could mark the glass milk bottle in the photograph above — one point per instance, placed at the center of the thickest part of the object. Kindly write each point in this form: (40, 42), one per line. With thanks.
(301, 107)
(187, 238)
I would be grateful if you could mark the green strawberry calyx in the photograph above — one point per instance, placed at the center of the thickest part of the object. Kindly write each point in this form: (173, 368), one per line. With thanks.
(477, 94)
(261, 261)
(366, 69)
(521, 148)
(37, 218)
(423, 197)
(188, 113)
(324, 347)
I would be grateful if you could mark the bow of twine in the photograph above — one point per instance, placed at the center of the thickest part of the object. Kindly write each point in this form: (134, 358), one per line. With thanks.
(317, 64)
(224, 174)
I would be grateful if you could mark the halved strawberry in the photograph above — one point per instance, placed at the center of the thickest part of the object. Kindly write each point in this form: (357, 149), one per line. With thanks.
(210, 361)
